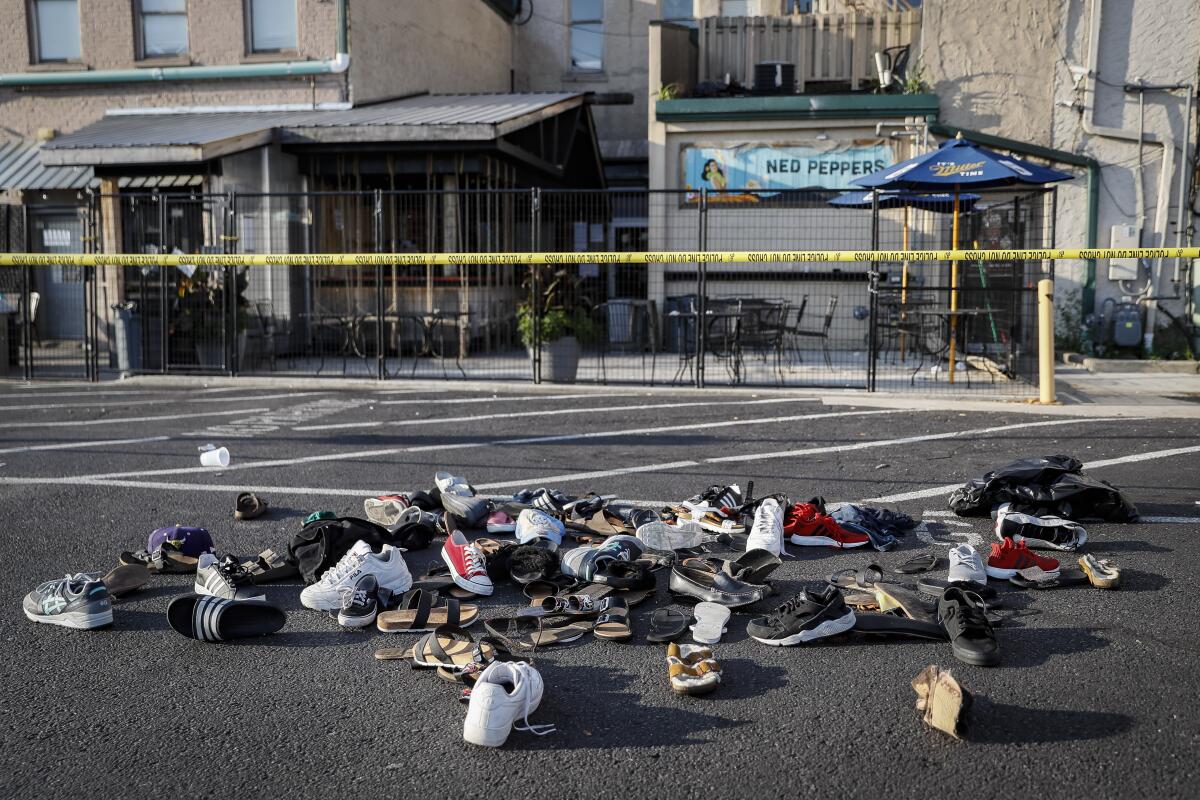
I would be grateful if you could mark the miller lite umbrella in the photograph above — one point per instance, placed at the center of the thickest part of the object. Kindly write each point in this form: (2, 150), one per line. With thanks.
(958, 163)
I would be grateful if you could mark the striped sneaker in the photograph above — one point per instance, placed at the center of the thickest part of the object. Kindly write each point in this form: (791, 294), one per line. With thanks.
(1008, 558)
(225, 578)
(215, 619)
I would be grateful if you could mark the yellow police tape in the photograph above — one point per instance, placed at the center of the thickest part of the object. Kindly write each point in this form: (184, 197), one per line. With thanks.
(432, 259)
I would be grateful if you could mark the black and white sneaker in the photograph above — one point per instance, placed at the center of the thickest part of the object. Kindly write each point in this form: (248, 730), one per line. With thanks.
(813, 614)
(360, 603)
(225, 578)
(74, 601)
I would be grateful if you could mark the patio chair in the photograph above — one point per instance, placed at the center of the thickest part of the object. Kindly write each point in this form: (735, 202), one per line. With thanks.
(682, 327)
(260, 337)
(822, 334)
(762, 332)
(639, 318)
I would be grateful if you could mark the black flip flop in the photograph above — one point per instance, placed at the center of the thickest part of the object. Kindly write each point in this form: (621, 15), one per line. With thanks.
(1058, 582)
(891, 625)
(215, 619)
(667, 625)
(922, 563)
(934, 587)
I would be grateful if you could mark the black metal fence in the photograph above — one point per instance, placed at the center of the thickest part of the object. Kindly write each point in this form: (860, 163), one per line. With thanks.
(888, 326)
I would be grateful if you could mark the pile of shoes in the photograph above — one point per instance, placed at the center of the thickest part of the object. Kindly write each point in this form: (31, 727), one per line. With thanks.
(585, 564)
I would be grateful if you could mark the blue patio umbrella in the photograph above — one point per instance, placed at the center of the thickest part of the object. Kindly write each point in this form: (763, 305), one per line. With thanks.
(958, 163)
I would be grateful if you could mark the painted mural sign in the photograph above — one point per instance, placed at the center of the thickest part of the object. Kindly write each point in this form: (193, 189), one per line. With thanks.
(776, 169)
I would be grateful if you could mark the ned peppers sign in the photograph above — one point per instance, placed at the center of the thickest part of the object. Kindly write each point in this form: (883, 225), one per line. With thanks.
(771, 169)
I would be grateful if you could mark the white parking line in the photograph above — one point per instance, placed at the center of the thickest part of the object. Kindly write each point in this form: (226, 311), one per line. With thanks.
(160, 401)
(73, 445)
(546, 413)
(198, 487)
(946, 488)
(743, 457)
(136, 420)
(499, 398)
(361, 454)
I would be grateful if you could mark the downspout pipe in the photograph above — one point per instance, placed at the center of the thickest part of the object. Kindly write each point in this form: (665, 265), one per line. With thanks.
(333, 66)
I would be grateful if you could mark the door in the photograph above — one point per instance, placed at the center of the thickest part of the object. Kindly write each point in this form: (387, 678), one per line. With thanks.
(60, 309)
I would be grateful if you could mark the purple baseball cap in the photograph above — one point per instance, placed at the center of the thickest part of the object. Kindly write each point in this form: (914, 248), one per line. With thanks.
(189, 541)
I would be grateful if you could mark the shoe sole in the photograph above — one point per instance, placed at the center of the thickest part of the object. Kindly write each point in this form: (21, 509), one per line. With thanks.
(465, 584)
(1004, 574)
(73, 619)
(355, 622)
(823, 541)
(1098, 580)
(830, 627)
(975, 659)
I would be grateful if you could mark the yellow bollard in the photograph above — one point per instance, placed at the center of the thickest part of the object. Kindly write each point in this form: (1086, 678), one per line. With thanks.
(1046, 341)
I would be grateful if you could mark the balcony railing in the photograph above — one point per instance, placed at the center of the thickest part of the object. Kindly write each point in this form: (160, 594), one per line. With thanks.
(833, 51)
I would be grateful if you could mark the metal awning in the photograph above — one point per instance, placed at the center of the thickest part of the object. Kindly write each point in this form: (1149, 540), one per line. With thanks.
(154, 138)
(21, 168)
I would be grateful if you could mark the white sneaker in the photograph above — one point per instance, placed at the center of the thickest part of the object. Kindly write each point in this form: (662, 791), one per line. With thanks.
(533, 525)
(966, 565)
(453, 484)
(388, 567)
(767, 531)
(507, 691)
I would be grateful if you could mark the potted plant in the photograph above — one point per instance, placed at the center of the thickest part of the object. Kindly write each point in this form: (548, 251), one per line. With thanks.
(200, 312)
(565, 322)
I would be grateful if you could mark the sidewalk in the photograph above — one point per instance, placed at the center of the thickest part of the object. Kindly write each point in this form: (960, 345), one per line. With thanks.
(1080, 393)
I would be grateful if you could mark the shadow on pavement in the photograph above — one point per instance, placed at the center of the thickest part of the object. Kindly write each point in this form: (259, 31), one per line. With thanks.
(1031, 647)
(1001, 723)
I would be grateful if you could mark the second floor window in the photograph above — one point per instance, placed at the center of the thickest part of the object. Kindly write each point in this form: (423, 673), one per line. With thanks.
(271, 25)
(679, 11)
(162, 25)
(54, 30)
(587, 35)
(735, 8)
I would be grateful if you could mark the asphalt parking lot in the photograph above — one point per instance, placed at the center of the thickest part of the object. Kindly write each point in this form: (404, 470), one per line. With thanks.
(1096, 696)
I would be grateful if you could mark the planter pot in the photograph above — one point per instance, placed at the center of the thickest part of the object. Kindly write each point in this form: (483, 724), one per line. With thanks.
(560, 360)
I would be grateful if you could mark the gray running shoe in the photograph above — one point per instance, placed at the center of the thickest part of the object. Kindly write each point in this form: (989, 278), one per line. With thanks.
(75, 601)
(662, 536)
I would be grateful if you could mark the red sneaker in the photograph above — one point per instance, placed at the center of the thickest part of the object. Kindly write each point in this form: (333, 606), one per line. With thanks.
(807, 526)
(1008, 557)
(467, 566)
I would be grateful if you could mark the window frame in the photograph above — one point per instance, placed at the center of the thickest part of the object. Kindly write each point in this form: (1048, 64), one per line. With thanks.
(571, 24)
(689, 20)
(35, 54)
(139, 31)
(248, 26)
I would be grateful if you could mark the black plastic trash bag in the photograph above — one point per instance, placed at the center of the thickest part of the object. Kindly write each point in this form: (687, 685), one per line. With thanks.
(1047, 485)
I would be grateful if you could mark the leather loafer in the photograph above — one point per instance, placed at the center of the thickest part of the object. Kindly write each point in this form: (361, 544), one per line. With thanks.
(716, 587)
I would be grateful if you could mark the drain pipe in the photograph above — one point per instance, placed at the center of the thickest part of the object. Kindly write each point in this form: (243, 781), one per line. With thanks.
(1168, 143)
(333, 66)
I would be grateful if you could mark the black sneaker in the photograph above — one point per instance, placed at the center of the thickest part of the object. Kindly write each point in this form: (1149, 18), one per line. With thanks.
(75, 601)
(971, 636)
(225, 578)
(360, 604)
(815, 613)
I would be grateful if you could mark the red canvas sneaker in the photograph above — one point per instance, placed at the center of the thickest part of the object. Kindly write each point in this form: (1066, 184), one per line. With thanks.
(1008, 557)
(807, 526)
(467, 566)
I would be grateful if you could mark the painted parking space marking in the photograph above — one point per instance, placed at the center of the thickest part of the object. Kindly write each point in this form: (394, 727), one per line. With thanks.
(390, 451)
(136, 420)
(497, 399)
(945, 489)
(176, 399)
(744, 457)
(281, 418)
(73, 445)
(548, 413)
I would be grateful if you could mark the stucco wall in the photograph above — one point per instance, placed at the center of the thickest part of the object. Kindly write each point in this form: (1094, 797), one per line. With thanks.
(215, 37)
(543, 60)
(1020, 74)
(405, 46)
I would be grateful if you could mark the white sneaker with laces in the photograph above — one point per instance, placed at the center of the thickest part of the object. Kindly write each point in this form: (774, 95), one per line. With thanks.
(505, 692)
(388, 567)
(767, 531)
(966, 565)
